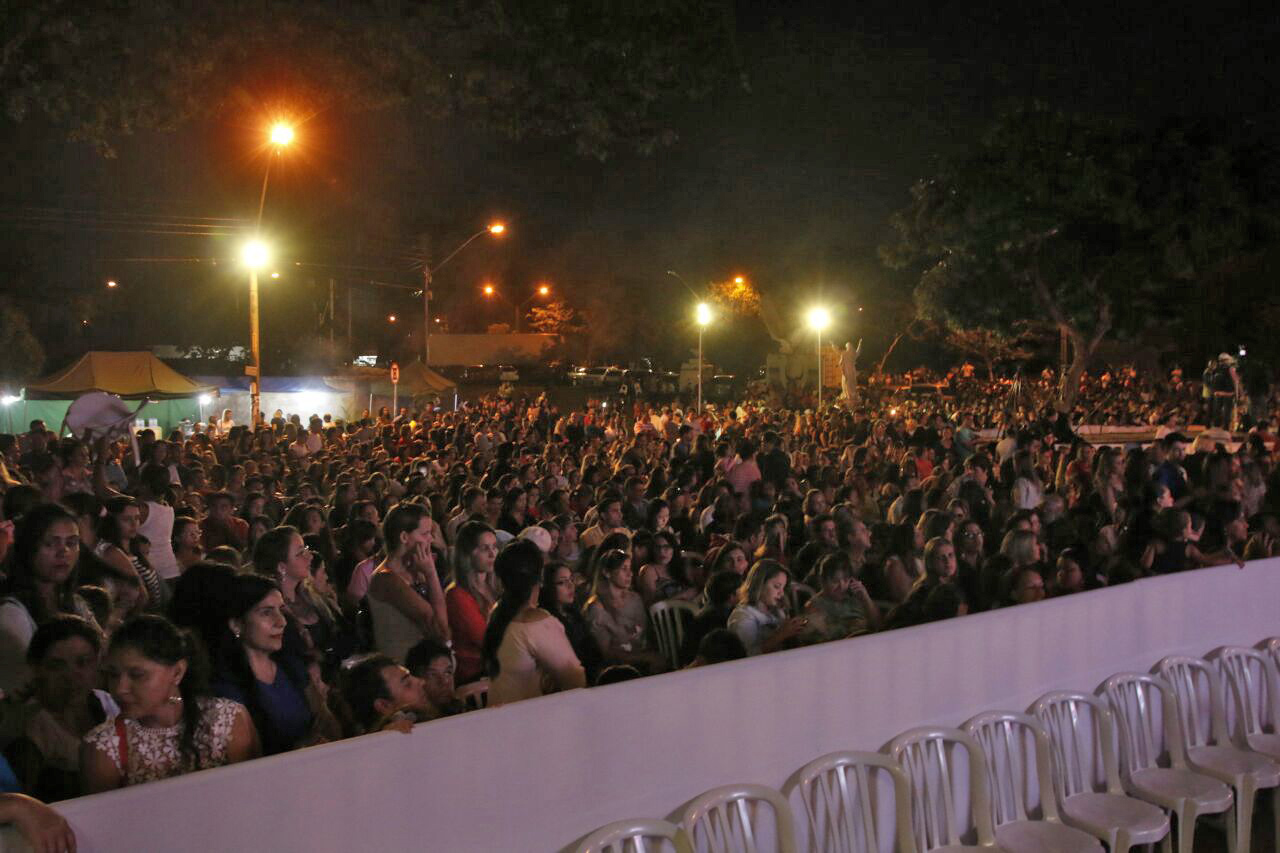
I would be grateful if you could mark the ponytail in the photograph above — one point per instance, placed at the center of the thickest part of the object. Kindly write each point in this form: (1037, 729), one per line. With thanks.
(159, 640)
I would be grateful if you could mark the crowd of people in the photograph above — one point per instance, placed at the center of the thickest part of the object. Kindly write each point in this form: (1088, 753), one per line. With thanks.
(194, 601)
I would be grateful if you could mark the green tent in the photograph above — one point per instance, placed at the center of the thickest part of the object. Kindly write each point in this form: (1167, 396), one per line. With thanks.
(134, 376)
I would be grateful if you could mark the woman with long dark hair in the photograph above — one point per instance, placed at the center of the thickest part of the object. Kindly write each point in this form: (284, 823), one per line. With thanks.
(41, 585)
(663, 577)
(117, 532)
(525, 647)
(282, 556)
(512, 517)
(253, 667)
(559, 598)
(168, 723)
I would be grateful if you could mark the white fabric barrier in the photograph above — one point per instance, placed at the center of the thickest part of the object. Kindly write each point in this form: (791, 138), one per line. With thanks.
(539, 775)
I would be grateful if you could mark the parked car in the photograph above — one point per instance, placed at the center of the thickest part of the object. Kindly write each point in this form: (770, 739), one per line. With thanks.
(482, 373)
(508, 373)
(612, 376)
(588, 377)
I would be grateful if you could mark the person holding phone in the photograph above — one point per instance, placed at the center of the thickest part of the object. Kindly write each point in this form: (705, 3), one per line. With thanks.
(760, 618)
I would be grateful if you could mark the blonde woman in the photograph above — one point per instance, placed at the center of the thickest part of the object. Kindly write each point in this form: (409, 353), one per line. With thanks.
(760, 618)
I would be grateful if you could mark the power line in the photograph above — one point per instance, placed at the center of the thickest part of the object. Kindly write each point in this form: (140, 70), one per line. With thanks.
(121, 214)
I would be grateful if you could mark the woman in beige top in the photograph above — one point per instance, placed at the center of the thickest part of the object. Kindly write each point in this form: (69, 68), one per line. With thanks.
(525, 648)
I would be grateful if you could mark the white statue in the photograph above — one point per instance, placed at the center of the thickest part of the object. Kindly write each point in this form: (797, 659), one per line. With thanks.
(849, 372)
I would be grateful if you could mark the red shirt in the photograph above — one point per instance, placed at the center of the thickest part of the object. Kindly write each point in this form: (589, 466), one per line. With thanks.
(215, 534)
(466, 624)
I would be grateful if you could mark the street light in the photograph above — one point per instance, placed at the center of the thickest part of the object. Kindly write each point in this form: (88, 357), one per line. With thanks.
(391, 318)
(701, 315)
(112, 283)
(543, 290)
(255, 255)
(281, 134)
(680, 279)
(496, 229)
(819, 318)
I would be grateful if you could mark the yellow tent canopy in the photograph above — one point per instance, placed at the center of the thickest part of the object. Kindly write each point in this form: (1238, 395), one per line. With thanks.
(132, 375)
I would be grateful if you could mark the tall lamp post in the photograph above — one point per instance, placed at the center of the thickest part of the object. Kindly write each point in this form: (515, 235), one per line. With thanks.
(702, 315)
(256, 255)
(497, 229)
(543, 290)
(819, 318)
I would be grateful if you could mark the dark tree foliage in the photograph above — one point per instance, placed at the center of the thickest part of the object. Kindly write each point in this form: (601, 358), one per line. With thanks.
(599, 74)
(1088, 226)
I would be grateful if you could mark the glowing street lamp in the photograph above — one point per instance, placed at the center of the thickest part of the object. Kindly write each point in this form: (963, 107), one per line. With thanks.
(496, 229)
(112, 283)
(391, 318)
(256, 256)
(702, 316)
(818, 319)
(281, 134)
(543, 290)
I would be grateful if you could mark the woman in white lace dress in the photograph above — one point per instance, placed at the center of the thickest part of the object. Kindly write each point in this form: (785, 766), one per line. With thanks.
(168, 724)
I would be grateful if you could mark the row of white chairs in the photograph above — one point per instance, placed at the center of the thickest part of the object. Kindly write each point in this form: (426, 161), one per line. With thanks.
(1194, 737)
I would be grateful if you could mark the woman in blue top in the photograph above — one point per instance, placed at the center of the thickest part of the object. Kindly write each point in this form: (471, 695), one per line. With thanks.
(253, 668)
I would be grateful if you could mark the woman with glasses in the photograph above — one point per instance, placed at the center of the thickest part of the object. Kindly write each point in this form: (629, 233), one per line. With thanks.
(282, 556)
(662, 577)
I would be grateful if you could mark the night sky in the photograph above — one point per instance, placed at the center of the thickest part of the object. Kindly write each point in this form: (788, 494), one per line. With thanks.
(790, 182)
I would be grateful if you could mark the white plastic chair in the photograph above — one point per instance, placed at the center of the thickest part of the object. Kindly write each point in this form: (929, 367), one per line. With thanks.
(474, 695)
(726, 820)
(1087, 774)
(1208, 746)
(839, 794)
(1271, 647)
(1153, 760)
(635, 836)
(669, 618)
(1252, 685)
(1011, 767)
(924, 753)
